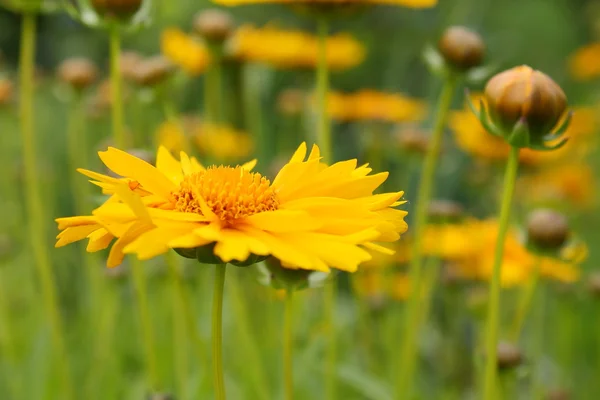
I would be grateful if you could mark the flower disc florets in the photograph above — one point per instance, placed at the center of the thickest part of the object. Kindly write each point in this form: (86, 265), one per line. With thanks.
(229, 193)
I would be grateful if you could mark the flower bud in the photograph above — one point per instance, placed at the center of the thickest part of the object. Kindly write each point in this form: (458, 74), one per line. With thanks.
(79, 73)
(594, 284)
(547, 229)
(6, 91)
(291, 102)
(444, 211)
(509, 355)
(152, 71)
(558, 394)
(128, 64)
(461, 48)
(117, 8)
(213, 25)
(413, 140)
(522, 94)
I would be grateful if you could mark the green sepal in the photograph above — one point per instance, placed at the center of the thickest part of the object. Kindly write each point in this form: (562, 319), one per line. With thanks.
(520, 136)
(186, 253)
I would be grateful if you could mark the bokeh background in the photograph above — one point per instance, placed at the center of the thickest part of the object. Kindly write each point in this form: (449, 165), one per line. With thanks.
(541, 33)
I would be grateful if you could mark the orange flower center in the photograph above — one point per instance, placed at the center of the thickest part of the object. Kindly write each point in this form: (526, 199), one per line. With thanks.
(230, 193)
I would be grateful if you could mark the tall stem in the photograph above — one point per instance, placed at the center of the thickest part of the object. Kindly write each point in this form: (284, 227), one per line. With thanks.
(116, 86)
(408, 351)
(525, 301)
(324, 126)
(493, 312)
(141, 293)
(34, 203)
(179, 334)
(213, 87)
(331, 357)
(537, 387)
(288, 345)
(217, 331)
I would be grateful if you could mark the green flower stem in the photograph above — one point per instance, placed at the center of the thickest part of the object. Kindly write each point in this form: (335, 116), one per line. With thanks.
(213, 87)
(34, 204)
(180, 340)
(525, 301)
(493, 312)
(7, 341)
(116, 86)
(217, 331)
(537, 335)
(324, 125)
(253, 113)
(408, 351)
(247, 340)
(288, 345)
(430, 278)
(329, 308)
(147, 330)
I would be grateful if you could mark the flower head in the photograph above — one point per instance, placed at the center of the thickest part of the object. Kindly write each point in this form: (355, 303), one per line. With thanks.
(221, 142)
(461, 48)
(293, 49)
(311, 216)
(584, 64)
(184, 51)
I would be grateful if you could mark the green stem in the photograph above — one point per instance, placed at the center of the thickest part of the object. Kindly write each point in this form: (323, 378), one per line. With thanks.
(116, 86)
(329, 307)
(324, 125)
(248, 342)
(288, 345)
(34, 202)
(7, 342)
(493, 312)
(537, 334)
(525, 301)
(141, 293)
(179, 335)
(213, 88)
(407, 347)
(217, 331)
(430, 277)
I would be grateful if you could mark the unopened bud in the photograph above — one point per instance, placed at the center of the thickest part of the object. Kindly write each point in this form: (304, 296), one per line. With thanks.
(79, 73)
(547, 229)
(153, 71)
(461, 48)
(213, 25)
(117, 8)
(509, 355)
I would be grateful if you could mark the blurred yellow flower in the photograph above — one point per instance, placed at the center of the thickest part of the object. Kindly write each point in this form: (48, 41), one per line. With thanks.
(184, 51)
(312, 216)
(473, 139)
(403, 3)
(222, 142)
(293, 49)
(449, 241)
(370, 105)
(584, 64)
(563, 183)
(171, 136)
(400, 286)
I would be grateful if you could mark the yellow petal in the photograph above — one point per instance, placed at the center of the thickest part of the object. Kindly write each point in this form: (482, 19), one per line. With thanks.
(283, 221)
(116, 255)
(74, 234)
(168, 165)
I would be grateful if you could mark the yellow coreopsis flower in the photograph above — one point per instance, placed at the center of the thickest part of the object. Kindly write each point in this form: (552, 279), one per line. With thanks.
(222, 142)
(370, 105)
(449, 241)
(403, 3)
(293, 49)
(312, 216)
(172, 136)
(584, 64)
(184, 51)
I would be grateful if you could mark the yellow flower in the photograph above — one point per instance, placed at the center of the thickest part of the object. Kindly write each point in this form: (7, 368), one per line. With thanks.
(184, 51)
(312, 216)
(572, 183)
(171, 136)
(369, 105)
(584, 64)
(449, 241)
(403, 3)
(473, 139)
(222, 142)
(293, 49)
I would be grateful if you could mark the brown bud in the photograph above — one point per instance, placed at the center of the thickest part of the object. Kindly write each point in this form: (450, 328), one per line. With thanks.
(462, 48)
(524, 94)
(153, 70)
(80, 73)
(128, 64)
(594, 284)
(558, 394)
(6, 91)
(413, 139)
(291, 102)
(213, 24)
(547, 229)
(117, 8)
(509, 355)
(445, 210)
